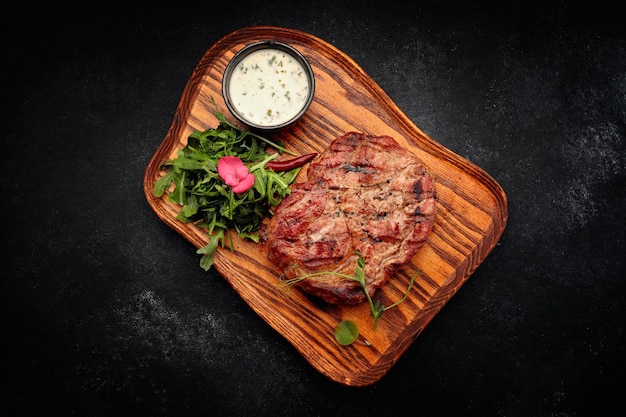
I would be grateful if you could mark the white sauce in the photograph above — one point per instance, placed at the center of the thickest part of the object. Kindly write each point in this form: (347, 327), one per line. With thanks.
(269, 87)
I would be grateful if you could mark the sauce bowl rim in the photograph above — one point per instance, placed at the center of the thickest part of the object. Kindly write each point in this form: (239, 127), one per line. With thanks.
(243, 53)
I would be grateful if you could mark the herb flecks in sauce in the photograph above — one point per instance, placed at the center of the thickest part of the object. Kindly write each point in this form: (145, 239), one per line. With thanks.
(269, 87)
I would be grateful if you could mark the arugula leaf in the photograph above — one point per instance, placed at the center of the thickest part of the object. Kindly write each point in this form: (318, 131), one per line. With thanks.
(208, 251)
(162, 183)
(346, 332)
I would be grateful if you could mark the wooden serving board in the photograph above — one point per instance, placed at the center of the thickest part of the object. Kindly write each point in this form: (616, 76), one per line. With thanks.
(471, 217)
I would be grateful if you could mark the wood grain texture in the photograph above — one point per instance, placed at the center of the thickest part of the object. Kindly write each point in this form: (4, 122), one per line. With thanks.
(472, 211)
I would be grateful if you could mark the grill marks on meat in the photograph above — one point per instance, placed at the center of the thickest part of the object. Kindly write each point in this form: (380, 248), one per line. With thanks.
(366, 195)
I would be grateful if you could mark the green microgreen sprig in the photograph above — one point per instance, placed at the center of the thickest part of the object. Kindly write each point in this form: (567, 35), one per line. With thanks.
(376, 307)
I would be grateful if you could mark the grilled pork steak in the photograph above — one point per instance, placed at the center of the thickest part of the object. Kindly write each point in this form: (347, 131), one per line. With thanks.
(366, 195)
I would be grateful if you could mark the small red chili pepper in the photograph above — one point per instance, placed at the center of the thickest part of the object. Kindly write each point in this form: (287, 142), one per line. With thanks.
(289, 164)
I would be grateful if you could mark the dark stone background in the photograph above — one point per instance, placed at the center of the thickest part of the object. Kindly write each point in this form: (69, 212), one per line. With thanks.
(106, 312)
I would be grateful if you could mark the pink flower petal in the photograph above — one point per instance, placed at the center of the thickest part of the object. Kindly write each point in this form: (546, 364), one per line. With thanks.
(227, 165)
(241, 170)
(231, 179)
(245, 184)
(235, 173)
